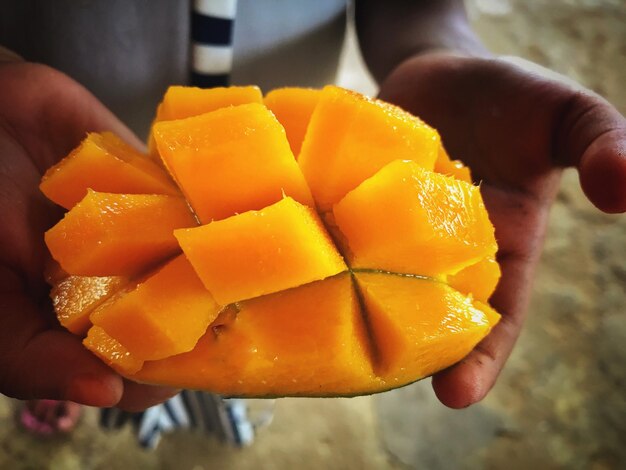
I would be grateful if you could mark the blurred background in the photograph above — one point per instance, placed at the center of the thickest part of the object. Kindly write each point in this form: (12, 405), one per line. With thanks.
(560, 402)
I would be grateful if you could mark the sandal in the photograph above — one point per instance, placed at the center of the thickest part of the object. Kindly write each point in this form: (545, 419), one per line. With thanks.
(49, 417)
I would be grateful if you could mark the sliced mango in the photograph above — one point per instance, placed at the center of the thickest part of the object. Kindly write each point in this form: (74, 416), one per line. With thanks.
(406, 219)
(302, 341)
(293, 108)
(111, 351)
(479, 279)
(164, 315)
(259, 252)
(104, 163)
(74, 297)
(117, 234)
(181, 102)
(351, 137)
(231, 160)
(261, 301)
(419, 325)
(446, 166)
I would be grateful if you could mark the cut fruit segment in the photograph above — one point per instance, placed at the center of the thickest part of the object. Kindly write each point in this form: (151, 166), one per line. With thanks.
(74, 297)
(420, 326)
(104, 163)
(111, 352)
(230, 161)
(455, 168)
(117, 234)
(259, 252)
(409, 220)
(351, 137)
(181, 102)
(293, 108)
(164, 315)
(260, 302)
(479, 279)
(304, 341)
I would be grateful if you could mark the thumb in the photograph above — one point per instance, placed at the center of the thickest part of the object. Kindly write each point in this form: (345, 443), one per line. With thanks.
(592, 137)
(38, 361)
(50, 113)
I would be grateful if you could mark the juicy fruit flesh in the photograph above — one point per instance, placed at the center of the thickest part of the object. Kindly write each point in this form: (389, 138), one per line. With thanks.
(117, 234)
(436, 214)
(290, 360)
(162, 316)
(242, 146)
(104, 163)
(261, 303)
(418, 321)
(279, 247)
(351, 137)
(293, 107)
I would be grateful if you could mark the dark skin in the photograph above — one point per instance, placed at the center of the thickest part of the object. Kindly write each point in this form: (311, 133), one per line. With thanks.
(43, 114)
(516, 130)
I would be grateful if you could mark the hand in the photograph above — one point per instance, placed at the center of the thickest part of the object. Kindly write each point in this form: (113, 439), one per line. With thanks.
(43, 115)
(516, 131)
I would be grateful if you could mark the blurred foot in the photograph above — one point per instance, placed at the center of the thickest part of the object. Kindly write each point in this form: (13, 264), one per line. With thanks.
(49, 417)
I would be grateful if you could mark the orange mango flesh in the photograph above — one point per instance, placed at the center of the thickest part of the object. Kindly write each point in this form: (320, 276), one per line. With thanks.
(320, 345)
(231, 160)
(259, 252)
(419, 325)
(443, 222)
(117, 234)
(351, 137)
(106, 164)
(164, 315)
(449, 167)
(111, 352)
(181, 102)
(293, 108)
(260, 303)
(74, 297)
(479, 279)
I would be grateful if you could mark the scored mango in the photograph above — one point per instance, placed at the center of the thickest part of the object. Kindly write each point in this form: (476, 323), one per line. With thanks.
(231, 160)
(118, 234)
(305, 243)
(282, 246)
(443, 222)
(351, 137)
(105, 164)
(163, 315)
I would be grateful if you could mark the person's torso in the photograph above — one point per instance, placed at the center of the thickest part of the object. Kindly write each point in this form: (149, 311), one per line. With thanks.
(128, 51)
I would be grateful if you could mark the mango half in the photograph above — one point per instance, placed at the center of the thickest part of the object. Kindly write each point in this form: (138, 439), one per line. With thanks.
(306, 243)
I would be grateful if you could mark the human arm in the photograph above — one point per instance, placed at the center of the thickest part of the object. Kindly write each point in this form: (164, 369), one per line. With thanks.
(517, 129)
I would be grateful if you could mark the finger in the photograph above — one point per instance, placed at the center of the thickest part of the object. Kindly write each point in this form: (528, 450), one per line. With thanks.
(511, 213)
(469, 381)
(138, 397)
(592, 136)
(56, 113)
(37, 361)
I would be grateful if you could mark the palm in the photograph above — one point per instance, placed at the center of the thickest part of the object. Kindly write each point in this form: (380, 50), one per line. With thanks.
(42, 115)
(516, 131)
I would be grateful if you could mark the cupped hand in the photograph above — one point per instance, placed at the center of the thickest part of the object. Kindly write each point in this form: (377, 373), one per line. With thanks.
(43, 115)
(517, 130)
